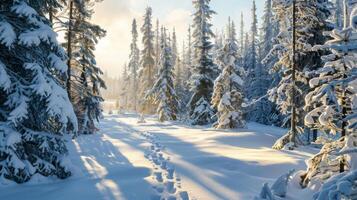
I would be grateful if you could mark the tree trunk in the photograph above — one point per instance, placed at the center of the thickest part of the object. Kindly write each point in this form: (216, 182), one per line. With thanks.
(69, 48)
(314, 135)
(293, 77)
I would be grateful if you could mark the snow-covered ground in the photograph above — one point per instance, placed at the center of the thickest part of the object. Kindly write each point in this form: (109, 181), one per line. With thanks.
(148, 161)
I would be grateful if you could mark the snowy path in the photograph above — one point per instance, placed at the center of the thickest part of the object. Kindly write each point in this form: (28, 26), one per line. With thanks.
(150, 161)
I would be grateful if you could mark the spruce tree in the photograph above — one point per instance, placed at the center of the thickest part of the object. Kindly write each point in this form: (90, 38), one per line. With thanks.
(86, 79)
(35, 111)
(124, 90)
(228, 89)
(147, 63)
(163, 91)
(264, 111)
(188, 61)
(333, 96)
(133, 67)
(157, 44)
(174, 47)
(241, 37)
(204, 71)
(309, 24)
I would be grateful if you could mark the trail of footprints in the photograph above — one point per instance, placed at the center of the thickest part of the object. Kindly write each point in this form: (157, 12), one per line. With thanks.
(168, 185)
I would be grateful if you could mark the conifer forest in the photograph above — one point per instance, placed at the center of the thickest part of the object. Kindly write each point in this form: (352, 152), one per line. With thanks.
(178, 100)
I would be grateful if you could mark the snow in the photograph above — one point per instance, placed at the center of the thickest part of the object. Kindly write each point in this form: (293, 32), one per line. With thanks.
(7, 34)
(57, 63)
(146, 161)
(5, 81)
(23, 9)
(34, 37)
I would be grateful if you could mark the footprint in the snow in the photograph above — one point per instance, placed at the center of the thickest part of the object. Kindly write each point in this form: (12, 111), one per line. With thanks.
(163, 165)
(158, 176)
(170, 187)
(183, 196)
(170, 173)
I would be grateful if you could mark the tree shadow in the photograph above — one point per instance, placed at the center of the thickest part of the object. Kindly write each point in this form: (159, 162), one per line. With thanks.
(222, 176)
(100, 171)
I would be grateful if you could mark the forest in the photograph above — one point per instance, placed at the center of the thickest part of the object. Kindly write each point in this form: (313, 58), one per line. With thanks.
(265, 110)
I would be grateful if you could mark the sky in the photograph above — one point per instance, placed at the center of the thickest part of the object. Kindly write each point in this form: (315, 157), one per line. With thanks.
(116, 16)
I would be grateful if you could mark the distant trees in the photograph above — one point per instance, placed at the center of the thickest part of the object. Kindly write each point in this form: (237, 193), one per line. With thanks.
(147, 63)
(134, 59)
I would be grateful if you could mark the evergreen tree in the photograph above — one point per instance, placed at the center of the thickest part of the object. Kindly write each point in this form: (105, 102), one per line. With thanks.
(253, 47)
(246, 51)
(241, 37)
(228, 89)
(204, 71)
(264, 111)
(188, 61)
(125, 86)
(174, 47)
(133, 67)
(86, 79)
(147, 63)
(334, 89)
(35, 111)
(309, 24)
(157, 44)
(163, 91)
(218, 43)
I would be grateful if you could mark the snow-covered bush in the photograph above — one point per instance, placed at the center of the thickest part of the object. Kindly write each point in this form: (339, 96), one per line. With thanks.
(265, 193)
(35, 112)
(278, 189)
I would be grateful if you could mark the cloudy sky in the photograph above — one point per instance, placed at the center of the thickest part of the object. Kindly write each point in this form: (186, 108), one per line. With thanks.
(116, 16)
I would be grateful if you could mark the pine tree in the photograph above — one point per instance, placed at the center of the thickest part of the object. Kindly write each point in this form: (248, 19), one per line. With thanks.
(35, 111)
(334, 89)
(157, 44)
(204, 71)
(174, 47)
(147, 63)
(264, 111)
(228, 89)
(309, 24)
(253, 57)
(163, 91)
(241, 37)
(246, 51)
(125, 83)
(218, 43)
(188, 61)
(133, 67)
(86, 79)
